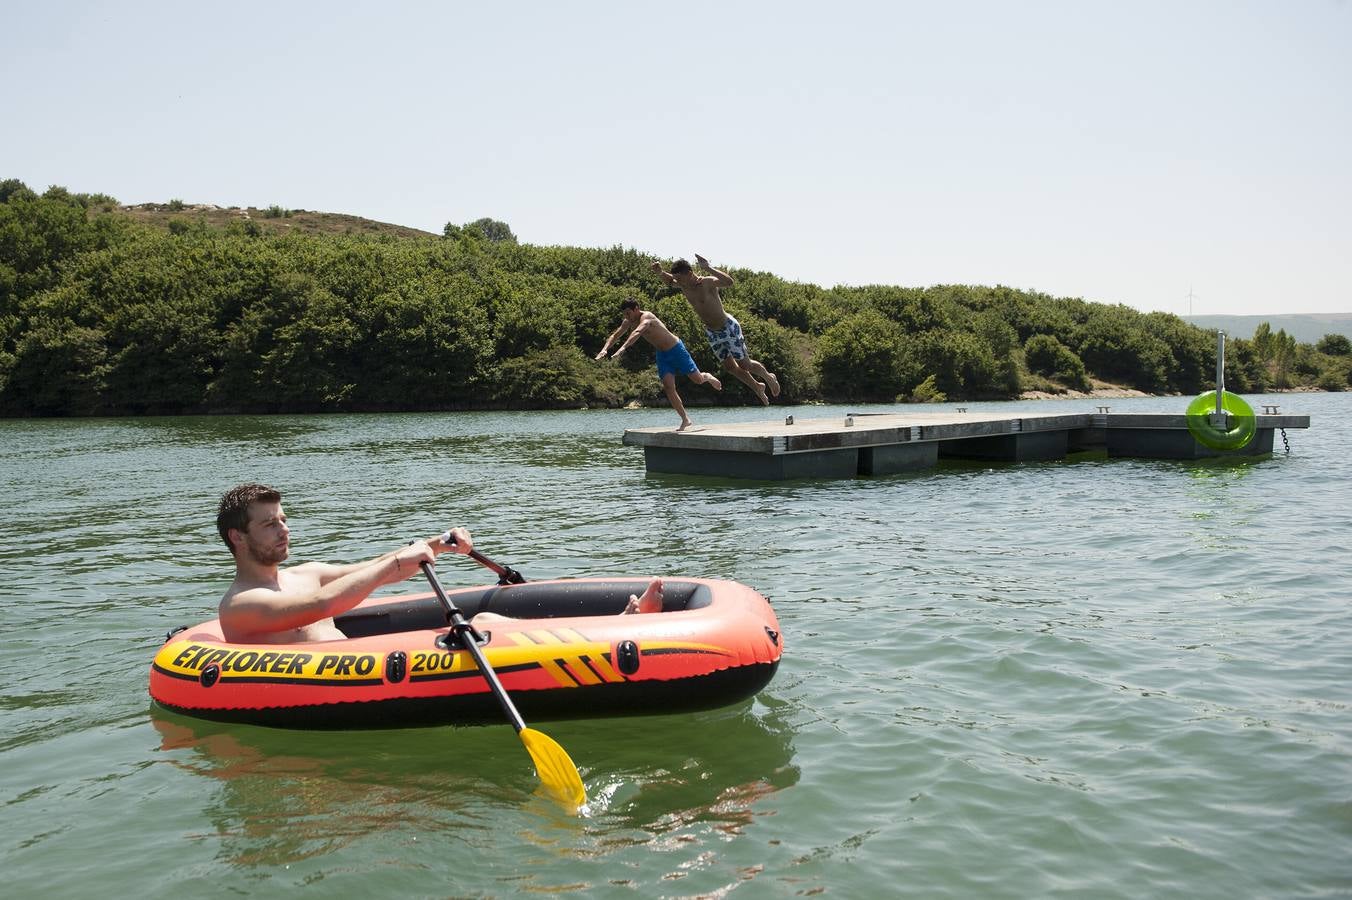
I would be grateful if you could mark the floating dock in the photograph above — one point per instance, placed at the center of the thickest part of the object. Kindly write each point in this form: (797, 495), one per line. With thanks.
(886, 444)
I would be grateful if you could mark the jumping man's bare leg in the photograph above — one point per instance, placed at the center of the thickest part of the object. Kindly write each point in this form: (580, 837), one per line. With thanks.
(706, 378)
(770, 380)
(669, 385)
(735, 367)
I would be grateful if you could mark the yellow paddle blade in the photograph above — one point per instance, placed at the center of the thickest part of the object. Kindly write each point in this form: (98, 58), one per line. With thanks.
(557, 772)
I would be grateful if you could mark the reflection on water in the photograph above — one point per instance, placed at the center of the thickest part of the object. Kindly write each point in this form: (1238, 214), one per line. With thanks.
(284, 797)
(212, 431)
(287, 796)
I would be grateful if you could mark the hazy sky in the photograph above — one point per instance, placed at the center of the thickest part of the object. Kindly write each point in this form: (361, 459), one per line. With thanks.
(1123, 152)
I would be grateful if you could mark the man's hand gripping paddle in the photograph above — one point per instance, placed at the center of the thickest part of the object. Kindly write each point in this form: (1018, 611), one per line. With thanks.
(556, 770)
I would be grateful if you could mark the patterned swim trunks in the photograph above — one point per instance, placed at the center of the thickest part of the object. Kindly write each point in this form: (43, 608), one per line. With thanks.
(728, 341)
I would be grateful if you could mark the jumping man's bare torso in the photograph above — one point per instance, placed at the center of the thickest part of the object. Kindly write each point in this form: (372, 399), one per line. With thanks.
(656, 333)
(707, 303)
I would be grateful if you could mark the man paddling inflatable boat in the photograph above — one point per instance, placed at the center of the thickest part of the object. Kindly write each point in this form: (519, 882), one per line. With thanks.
(269, 605)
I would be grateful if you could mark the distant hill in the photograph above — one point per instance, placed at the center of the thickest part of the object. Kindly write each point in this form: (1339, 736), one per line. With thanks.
(1306, 328)
(273, 218)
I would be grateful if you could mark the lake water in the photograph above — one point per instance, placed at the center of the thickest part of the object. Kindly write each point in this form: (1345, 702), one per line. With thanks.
(1100, 678)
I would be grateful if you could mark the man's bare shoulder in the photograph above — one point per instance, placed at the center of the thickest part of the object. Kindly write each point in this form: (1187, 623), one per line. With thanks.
(295, 579)
(308, 569)
(242, 594)
(707, 286)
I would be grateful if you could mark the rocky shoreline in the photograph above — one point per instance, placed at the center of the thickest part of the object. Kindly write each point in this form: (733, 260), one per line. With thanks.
(1095, 394)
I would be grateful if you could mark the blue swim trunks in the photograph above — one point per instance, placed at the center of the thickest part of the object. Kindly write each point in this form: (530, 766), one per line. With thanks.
(675, 361)
(728, 341)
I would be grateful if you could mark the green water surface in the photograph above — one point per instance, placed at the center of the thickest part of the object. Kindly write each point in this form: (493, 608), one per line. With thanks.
(1097, 678)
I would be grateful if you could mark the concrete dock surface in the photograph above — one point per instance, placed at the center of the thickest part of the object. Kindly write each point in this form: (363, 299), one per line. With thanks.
(846, 446)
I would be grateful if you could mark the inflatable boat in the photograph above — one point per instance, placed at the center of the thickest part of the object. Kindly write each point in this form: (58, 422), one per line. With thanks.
(562, 649)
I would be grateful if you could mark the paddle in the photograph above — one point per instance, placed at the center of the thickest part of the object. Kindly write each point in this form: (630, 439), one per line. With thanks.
(506, 574)
(556, 770)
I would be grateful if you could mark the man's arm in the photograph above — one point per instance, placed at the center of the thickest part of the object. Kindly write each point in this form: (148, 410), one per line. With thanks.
(262, 611)
(665, 276)
(327, 572)
(722, 279)
(641, 327)
(614, 334)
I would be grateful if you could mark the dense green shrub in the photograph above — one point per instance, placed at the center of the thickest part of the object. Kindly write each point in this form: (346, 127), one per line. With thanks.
(560, 377)
(862, 357)
(492, 230)
(1334, 345)
(925, 392)
(1042, 352)
(59, 369)
(1115, 343)
(961, 363)
(1046, 355)
(1332, 381)
(1244, 370)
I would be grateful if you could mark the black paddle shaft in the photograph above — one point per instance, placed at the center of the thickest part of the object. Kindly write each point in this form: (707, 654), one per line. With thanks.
(465, 632)
(506, 574)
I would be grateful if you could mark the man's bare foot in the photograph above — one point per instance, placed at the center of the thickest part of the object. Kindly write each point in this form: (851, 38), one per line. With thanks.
(760, 393)
(650, 602)
(486, 617)
(685, 423)
(773, 382)
(713, 382)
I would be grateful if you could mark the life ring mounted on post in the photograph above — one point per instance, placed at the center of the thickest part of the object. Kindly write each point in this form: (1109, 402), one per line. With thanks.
(1232, 430)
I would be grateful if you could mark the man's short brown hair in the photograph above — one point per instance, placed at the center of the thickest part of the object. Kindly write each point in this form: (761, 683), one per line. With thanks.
(628, 303)
(234, 509)
(680, 266)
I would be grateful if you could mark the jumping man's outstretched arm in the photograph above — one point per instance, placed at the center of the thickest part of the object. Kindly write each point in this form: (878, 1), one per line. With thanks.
(638, 332)
(724, 279)
(665, 276)
(614, 334)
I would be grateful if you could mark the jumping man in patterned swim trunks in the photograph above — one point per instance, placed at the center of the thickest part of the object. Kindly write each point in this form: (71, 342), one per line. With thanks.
(724, 332)
(672, 357)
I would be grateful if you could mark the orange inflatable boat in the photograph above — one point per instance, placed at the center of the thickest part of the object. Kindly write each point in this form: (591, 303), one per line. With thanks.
(564, 652)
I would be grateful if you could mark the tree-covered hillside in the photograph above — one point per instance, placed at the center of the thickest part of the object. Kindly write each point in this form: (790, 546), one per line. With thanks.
(109, 310)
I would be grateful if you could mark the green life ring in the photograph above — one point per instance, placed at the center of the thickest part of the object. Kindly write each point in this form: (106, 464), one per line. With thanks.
(1243, 424)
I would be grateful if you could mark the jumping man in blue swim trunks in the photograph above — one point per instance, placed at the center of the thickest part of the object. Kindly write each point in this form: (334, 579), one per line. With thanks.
(672, 357)
(724, 332)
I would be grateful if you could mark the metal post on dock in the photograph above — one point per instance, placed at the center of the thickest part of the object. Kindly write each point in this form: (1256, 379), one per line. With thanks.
(1220, 370)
